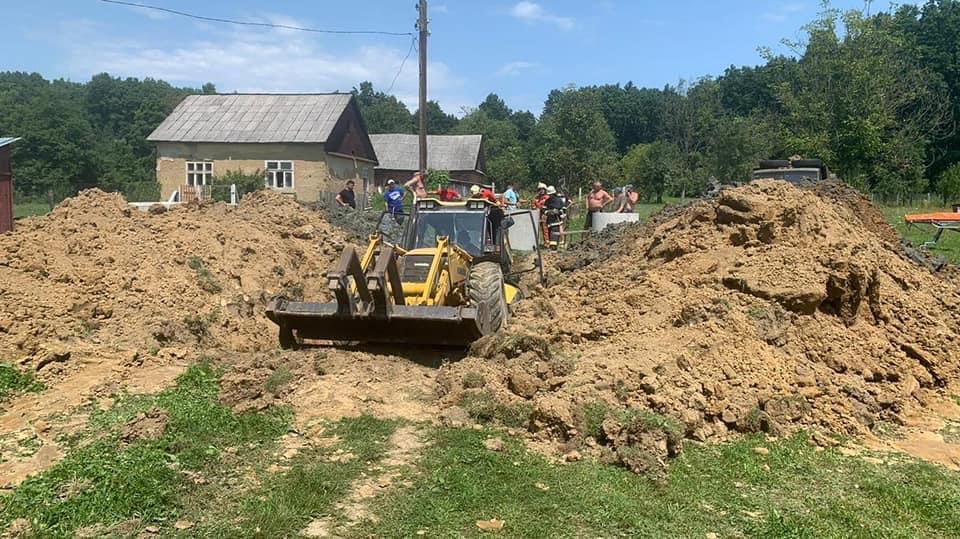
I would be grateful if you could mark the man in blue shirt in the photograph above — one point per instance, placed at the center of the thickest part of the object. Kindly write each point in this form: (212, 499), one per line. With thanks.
(393, 196)
(510, 197)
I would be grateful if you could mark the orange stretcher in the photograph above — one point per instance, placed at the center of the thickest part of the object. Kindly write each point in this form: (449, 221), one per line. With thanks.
(946, 220)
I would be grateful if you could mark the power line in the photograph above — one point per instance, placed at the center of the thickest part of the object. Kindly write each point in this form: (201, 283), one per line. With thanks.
(264, 24)
(413, 42)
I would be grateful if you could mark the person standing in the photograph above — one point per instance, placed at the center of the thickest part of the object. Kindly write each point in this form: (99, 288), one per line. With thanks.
(597, 198)
(541, 199)
(632, 198)
(347, 197)
(416, 185)
(510, 197)
(393, 197)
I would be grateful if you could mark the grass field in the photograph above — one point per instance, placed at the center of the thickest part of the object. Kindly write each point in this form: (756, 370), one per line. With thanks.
(212, 473)
(949, 244)
(29, 209)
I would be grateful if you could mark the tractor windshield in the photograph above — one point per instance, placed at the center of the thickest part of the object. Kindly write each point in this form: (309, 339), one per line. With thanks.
(463, 228)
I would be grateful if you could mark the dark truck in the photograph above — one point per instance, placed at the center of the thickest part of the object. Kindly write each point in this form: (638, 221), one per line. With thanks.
(791, 170)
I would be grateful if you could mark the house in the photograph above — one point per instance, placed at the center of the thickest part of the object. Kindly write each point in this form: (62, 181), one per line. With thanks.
(302, 144)
(460, 155)
(6, 185)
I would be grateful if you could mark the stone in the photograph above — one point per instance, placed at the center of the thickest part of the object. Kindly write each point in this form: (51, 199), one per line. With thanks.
(494, 444)
(523, 384)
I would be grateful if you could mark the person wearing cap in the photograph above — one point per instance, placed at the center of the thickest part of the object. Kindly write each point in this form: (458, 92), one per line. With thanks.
(393, 197)
(555, 210)
(477, 192)
(541, 199)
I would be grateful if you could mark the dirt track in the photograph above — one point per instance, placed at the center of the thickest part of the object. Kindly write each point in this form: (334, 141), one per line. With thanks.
(766, 309)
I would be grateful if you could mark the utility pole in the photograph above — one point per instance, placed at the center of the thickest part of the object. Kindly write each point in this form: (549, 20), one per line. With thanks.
(422, 27)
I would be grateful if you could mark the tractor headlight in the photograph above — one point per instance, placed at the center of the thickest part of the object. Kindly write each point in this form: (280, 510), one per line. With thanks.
(427, 204)
(475, 205)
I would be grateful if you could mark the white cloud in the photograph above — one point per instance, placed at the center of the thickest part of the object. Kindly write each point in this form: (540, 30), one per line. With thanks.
(262, 61)
(533, 12)
(515, 68)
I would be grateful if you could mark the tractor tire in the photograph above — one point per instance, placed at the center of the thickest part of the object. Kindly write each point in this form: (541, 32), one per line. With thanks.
(808, 163)
(485, 291)
(774, 163)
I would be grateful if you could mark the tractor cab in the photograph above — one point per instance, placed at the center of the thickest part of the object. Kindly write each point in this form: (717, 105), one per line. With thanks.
(438, 275)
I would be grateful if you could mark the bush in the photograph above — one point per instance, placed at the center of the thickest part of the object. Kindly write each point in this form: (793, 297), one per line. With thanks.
(245, 182)
(948, 185)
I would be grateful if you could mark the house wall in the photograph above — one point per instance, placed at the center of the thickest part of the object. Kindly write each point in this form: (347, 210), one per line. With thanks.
(314, 171)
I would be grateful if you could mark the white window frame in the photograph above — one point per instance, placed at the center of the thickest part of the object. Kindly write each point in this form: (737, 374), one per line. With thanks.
(270, 175)
(195, 171)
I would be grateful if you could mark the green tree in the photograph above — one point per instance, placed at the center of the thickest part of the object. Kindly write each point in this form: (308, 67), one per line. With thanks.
(438, 122)
(862, 103)
(383, 113)
(652, 167)
(573, 145)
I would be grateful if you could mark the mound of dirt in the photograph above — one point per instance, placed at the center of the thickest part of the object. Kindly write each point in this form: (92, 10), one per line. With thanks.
(768, 308)
(97, 276)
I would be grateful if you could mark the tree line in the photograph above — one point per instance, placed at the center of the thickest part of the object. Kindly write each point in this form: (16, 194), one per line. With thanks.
(877, 97)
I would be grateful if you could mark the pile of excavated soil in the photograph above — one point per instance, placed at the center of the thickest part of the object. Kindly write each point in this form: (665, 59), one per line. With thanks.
(766, 308)
(96, 276)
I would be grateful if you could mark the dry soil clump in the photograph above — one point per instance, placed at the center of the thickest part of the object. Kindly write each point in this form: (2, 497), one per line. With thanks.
(96, 274)
(765, 309)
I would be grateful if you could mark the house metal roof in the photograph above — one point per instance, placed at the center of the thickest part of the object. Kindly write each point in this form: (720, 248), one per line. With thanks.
(253, 118)
(444, 152)
(7, 140)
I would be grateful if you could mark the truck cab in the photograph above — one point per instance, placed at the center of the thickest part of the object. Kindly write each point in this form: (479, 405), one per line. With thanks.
(797, 171)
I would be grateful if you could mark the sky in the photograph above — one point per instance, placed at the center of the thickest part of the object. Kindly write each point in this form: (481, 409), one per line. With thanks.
(518, 49)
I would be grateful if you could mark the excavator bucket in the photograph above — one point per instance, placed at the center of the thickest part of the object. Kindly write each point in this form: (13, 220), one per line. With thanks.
(370, 307)
(430, 326)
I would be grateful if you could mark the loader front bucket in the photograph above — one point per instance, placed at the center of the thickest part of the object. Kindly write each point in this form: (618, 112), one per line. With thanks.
(430, 326)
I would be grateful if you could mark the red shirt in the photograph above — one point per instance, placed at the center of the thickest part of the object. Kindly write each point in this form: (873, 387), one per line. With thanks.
(488, 194)
(447, 195)
(540, 201)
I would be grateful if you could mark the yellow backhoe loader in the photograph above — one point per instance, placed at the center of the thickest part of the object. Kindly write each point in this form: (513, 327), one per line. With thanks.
(439, 275)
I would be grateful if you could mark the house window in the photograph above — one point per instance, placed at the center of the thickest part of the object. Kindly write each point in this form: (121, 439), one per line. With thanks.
(279, 174)
(199, 173)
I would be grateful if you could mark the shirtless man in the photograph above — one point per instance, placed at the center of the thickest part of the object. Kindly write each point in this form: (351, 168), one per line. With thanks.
(597, 198)
(415, 184)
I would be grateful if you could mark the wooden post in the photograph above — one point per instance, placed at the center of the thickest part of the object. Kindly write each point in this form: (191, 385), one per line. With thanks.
(6, 190)
(422, 27)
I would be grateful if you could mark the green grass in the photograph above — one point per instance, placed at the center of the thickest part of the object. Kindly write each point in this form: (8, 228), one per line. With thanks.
(285, 503)
(14, 381)
(949, 244)
(141, 479)
(29, 209)
(724, 489)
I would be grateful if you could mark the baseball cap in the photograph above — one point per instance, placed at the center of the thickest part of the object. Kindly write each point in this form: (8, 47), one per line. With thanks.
(390, 181)
(541, 185)
(551, 190)
(474, 189)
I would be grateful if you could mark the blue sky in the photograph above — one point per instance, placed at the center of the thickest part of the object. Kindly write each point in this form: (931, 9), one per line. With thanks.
(518, 49)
